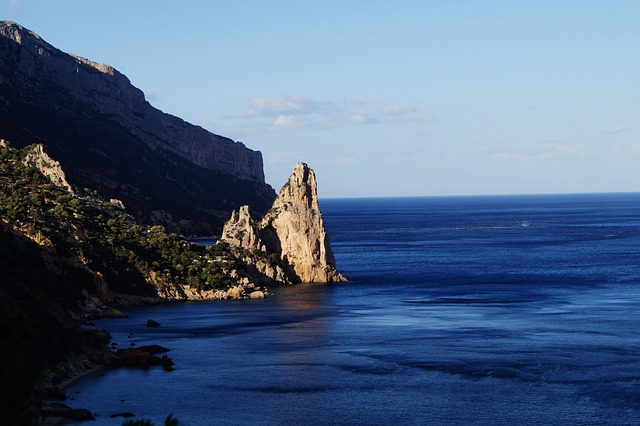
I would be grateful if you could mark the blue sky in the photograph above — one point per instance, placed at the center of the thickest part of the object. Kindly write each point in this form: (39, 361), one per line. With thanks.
(386, 98)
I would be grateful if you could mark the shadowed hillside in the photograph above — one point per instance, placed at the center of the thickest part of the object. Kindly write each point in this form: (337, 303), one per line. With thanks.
(110, 139)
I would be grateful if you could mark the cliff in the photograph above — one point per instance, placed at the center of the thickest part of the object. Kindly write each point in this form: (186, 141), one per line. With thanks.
(292, 233)
(110, 92)
(110, 139)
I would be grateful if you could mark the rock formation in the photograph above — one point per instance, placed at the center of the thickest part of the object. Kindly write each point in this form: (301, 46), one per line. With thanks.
(292, 231)
(47, 166)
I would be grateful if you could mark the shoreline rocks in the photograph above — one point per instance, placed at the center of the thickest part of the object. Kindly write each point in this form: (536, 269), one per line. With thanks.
(152, 323)
(115, 313)
(58, 409)
(144, 356)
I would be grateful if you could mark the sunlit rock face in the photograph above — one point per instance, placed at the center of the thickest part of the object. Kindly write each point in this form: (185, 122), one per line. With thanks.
(240, 231)
(292, 230)
(49, 167)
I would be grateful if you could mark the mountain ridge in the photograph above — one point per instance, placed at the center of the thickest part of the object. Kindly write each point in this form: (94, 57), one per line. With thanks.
(110, 139)
(127, 104)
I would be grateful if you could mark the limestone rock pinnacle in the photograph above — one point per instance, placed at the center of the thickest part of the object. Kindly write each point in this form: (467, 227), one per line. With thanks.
(292, 230)
(241, 230)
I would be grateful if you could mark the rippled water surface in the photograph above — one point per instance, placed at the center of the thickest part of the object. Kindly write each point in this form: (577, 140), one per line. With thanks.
(470, 310)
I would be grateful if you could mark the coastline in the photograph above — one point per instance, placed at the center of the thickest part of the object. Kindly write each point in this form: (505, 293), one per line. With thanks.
(52, 405)
(48, 420)
(97, 369)
(51, 399)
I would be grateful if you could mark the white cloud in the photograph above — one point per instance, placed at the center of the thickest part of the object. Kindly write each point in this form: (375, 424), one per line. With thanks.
(635, 147)
(539, 152)
(388, 114)
(357, 118)
(295, 112)
(615, 130)
(288, 105)
(295, 122)
(285, 121)
(451, 157)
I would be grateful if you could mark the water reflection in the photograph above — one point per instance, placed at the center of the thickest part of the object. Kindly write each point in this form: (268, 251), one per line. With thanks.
(306, 316)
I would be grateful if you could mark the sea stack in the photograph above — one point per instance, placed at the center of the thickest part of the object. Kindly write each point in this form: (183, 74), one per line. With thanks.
(292, 230)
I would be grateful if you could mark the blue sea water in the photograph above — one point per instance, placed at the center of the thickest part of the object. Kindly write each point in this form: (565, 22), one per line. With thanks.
(459, 310)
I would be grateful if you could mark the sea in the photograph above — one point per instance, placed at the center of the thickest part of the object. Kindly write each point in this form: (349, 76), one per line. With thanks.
(487, 310)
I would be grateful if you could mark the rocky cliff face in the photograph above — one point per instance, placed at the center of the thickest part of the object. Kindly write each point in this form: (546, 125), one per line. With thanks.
(292, 231)
(110, 139)
(47, 166)
(31, 59)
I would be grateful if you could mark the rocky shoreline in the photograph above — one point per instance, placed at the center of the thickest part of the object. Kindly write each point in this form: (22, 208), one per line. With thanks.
(101, 355)
(48, 405)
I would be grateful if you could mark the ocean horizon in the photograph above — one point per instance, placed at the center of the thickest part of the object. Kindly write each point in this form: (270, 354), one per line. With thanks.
(488, 195)
(497, 309)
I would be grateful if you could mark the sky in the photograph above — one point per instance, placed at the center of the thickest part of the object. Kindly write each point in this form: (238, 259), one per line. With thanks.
(385, 98)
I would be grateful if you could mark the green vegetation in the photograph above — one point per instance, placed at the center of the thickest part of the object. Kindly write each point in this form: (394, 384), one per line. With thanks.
(58, 250)
(104, 238)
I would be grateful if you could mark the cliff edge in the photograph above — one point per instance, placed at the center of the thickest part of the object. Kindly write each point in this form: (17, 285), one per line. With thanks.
(291, 235)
